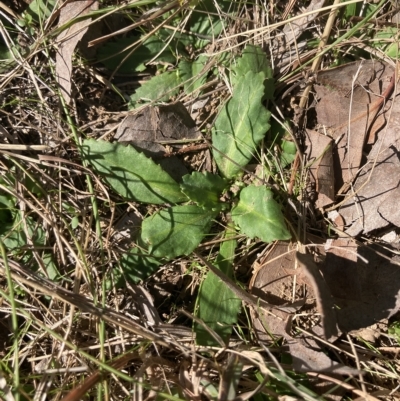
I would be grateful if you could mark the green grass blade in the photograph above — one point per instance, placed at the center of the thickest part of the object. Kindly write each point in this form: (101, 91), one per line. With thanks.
(14, 321)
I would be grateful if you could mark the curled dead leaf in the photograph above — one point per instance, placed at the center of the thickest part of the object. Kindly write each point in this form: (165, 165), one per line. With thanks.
(68, 39)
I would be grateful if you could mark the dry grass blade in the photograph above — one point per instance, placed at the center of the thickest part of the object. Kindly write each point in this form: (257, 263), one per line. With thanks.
(85, 305)
(92, 380)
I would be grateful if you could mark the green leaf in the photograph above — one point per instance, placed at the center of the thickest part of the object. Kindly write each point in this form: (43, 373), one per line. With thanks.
(15, 226)
(158, 88)
(15, 239)
(138, 266)
(6, 55)
(190, 73)
(218, 306)
(253, 59)
(241, 125)
(206, 23)
(288, 153)
(204, 189)
(384, 41)
(50, 266)
(175, 231)
(259, 215)
(6, 220)
(352, 10)
(40, 9)
(74, 222)
(286, 148)
(112, 54)
(7, 213)
(130, 173)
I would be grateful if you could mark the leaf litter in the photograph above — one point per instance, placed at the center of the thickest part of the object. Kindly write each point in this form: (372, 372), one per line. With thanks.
(354, 285)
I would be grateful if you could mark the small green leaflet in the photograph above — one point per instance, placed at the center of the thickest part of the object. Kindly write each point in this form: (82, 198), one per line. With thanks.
(383, 40)
(205, 21)
(190, 73)
(130, 173)
(159, 88)
(259, 215)
(112, 54)
(241, 125)
(40, 9)
(204, 189)
(7, 60)
(288, 152)
(218, 306)
(175, 231)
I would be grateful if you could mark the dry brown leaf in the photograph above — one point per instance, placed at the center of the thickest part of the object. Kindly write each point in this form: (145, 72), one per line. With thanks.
(365, 293)
(308, 357)
(349, 98)
(372, 205)
(294, 29)
(68, 39)
(287, 48)
(152, 127)
(322, 295)
(355, 287)
(273, 283)
(320, 161)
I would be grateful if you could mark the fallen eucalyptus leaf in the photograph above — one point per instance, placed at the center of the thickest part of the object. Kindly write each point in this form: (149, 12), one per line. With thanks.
(350, 97)
(272, 282)
(371, 204)
(365, 288)
(68, 39)
(322, 294)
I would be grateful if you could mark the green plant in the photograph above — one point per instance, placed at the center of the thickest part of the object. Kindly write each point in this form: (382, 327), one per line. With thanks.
(179, 44)
(37, 12)
(394, 330)
(195, 203)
